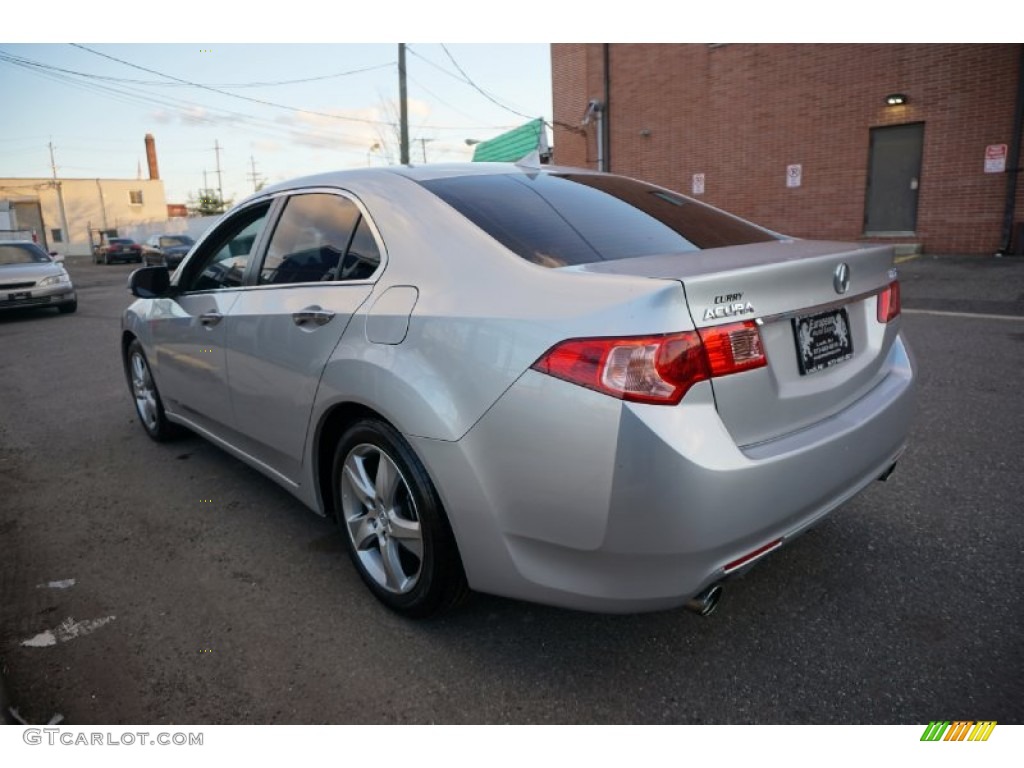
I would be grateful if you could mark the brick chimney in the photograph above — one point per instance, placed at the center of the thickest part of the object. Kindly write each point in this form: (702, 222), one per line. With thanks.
(154, 171)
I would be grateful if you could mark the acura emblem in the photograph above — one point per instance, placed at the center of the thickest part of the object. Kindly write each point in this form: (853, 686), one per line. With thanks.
(841, 280)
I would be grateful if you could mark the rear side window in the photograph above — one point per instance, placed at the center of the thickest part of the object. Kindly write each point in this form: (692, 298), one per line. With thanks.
(320, 237)
(558, 220)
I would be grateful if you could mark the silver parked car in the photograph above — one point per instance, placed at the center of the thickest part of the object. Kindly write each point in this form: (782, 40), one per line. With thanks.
(29, 277)
(550, 384)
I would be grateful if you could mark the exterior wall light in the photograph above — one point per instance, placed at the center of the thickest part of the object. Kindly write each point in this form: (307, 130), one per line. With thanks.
(895, 99)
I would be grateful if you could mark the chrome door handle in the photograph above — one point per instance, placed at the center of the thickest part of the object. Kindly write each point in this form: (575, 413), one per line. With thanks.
(210, 319)
(312, 316)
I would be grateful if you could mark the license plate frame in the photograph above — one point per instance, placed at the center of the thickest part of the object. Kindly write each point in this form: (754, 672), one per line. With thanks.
(822, 340)
(19, 295)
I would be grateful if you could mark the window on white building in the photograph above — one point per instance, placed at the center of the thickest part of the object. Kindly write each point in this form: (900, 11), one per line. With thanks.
(135, 197)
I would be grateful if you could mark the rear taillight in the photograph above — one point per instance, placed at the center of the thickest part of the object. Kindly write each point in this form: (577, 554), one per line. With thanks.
(733, 348)
(654, 369)
(889, 302)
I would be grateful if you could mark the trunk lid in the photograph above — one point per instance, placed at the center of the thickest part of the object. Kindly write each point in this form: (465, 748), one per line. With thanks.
(825, 348)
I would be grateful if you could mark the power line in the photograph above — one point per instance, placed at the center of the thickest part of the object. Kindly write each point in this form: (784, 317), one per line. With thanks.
(465, 78)
(437, 98)
(264, 102)
(133, 81)
(480, 90)
(127, 94)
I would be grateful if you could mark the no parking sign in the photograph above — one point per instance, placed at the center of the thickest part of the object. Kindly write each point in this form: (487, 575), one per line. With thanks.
(995, 158)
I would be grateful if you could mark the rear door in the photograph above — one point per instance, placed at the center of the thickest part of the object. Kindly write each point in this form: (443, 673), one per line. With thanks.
(320, 265)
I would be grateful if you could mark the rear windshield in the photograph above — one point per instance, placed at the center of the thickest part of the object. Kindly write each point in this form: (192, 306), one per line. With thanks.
(173, 240)
(566, 219)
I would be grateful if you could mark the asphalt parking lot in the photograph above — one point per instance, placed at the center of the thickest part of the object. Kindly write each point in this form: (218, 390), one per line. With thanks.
(203, 593)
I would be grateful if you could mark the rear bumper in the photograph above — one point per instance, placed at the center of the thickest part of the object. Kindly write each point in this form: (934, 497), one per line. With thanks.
(565, 496)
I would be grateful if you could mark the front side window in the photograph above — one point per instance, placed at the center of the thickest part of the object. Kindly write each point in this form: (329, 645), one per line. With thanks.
(226, 254)
(319, 237)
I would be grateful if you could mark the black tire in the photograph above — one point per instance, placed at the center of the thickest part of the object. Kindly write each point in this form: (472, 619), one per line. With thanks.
(386, 523)
(68, 308)
(148, 405)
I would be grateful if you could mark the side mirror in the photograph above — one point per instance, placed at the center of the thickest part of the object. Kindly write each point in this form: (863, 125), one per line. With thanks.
(149, 282)
(58, 258)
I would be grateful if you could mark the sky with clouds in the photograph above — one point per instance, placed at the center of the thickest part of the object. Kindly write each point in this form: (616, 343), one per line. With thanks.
(307, 103)
(291, 109)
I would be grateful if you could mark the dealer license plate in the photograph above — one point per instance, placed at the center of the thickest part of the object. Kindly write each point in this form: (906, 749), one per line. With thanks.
(822, 340)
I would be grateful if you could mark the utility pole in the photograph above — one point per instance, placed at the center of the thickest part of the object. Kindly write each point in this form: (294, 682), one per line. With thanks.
(403, 106)
(423, 144)
(220, 180)
(65, 235)
(253, 177)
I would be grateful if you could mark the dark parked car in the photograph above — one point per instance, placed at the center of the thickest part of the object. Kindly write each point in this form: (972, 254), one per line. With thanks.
(118, 249)
(166, 250)
(31, 278)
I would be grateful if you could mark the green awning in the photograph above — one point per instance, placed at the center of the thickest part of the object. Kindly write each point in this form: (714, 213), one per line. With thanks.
(514, 145)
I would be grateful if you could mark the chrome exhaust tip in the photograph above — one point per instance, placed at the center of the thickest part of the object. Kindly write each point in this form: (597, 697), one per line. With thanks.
(704, 603)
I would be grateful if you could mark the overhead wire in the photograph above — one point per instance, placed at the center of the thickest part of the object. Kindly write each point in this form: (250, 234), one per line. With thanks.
(464, 77)
(264, 102)
(480, 90)
(135, 81)
(251, 99)
(128, 94)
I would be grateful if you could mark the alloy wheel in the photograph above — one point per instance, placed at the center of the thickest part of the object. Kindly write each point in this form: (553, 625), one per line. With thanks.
(144, 392)
(381, 519)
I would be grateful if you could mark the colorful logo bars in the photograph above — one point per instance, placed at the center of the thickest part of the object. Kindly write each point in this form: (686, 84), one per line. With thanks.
(958, 730)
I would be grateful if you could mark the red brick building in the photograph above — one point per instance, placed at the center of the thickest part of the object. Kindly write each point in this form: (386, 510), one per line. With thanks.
(802, 138)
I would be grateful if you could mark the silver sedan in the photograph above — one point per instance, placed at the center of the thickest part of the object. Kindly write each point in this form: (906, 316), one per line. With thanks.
(550, 384)
(29, 277)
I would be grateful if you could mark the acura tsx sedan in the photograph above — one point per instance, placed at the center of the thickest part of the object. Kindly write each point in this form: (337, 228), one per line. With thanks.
(550, 384)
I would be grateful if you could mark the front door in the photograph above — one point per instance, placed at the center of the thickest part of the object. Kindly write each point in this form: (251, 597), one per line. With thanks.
(894, 176)
(188, 328)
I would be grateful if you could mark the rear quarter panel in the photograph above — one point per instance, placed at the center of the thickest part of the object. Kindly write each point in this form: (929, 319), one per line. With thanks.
(482, 317)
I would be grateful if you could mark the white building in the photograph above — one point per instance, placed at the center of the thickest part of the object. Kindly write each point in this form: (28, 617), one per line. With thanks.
(67, 215)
